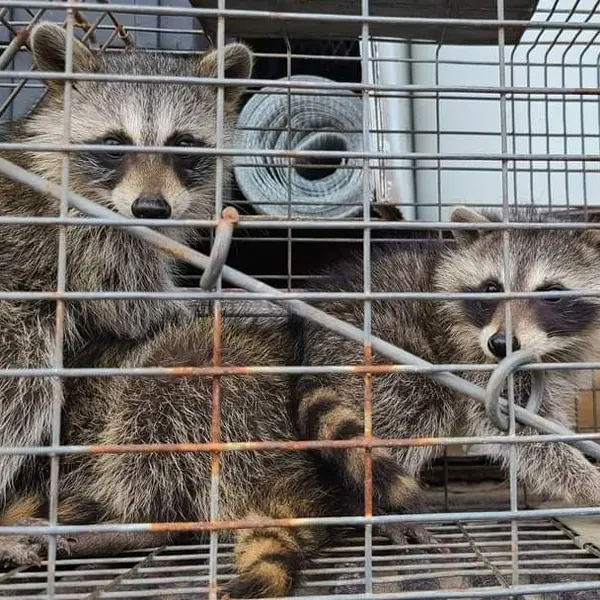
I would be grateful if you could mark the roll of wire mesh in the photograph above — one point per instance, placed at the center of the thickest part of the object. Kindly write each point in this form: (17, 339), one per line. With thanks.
(292, 119)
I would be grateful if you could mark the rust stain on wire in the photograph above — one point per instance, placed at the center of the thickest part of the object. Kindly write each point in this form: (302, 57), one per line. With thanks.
(216, 389)
(121, 31)
(368, 437)
(297, 445)
(84, 25)
(237, 524)
(231, 214)
(215, 427)
(249, 370)
(22, 36)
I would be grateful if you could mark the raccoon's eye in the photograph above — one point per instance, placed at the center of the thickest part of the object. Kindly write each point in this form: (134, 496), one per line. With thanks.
(184, 143)
(551, 288)
(187, 161)
(491, 287)
(113, 141)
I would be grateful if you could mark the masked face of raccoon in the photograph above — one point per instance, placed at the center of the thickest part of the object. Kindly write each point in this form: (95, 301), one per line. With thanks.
(128, 113)
(560, 329)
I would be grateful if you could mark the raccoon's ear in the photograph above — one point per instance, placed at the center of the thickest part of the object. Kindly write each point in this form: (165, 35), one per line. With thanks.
(462, 214)
(591, 215)
(48, 45)
(238, 65)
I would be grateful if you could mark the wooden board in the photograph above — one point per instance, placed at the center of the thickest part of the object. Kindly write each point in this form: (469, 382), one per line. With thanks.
(588, 409)
(278, 26)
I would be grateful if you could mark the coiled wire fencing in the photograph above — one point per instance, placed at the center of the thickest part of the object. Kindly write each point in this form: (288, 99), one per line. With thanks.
(490, 105)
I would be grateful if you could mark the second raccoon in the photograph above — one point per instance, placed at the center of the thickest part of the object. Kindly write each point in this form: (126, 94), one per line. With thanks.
(458, 332)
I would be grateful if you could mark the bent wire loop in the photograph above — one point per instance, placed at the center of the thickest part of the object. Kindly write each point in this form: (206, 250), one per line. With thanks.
(298, 307)
(496, 408)
(220, 249)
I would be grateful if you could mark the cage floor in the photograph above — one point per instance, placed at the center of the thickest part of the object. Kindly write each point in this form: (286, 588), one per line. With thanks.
(479, 561)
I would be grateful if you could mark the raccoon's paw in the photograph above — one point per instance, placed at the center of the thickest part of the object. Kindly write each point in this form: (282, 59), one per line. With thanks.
(405, 534)
(21, 551)
(28, 550)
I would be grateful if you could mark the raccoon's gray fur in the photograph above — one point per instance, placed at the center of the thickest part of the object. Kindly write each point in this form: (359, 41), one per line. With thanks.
(99, 258)
(168, 487)
(443, 332)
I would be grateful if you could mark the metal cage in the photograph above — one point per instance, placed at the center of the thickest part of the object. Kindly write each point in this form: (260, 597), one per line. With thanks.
(488, 104)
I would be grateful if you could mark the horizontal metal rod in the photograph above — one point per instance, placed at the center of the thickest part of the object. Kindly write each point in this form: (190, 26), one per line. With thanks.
(515, 62)
(190, 294)
(297, 16)
(533, 591)
(379, 572)
(181, 252)
(200, 526)
(260, 222)
(295, 446)
(196, 585)
(555, 44)
(252, 370)
(378, 166)
(19, 146)
(248, 370)
(280, 85)
(15, 23)
(549, 96)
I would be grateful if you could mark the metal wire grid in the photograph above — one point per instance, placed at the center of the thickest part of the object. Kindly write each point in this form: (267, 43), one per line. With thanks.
(510, 161)
(479, 558)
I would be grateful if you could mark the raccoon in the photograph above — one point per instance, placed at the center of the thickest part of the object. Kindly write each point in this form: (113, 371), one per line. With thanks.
(451, 331)
(170, 487)
(134, 185)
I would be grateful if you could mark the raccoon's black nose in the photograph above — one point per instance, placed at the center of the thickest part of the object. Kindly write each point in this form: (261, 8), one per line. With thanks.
(497, 344)
(151, 206)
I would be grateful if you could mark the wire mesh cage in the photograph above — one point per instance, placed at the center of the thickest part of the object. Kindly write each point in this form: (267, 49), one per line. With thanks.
(250, 345)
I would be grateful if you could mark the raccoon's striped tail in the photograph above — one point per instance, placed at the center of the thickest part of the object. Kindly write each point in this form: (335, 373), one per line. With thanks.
(72, 509)
(268, 561)
(322, 414)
